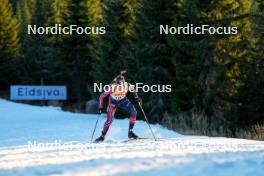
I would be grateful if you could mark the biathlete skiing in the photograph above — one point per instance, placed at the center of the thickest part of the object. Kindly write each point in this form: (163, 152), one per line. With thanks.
(117, 94)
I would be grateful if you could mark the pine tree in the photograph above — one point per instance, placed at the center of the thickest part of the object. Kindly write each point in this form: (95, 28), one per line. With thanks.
(120, 17)
(41, 59)
(210, 71)
(128, 16)
(110, 61)
(80, 48)
(189, 58)
(148, 61)
(60, 12)
(95, 10)
(250, 95)
(9, 43)
(231, 53)
(59, 15)
(25, 11)
(9, 31)
(36, 51)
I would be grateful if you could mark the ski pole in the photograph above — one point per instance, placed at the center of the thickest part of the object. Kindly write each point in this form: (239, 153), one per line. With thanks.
(146, 120)
(95, 127)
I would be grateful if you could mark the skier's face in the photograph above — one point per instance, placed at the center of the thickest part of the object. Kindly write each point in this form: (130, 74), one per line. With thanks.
(120, 80)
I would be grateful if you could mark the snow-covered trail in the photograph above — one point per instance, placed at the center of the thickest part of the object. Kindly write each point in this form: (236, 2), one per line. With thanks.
(20, 123)
(188, 156)
(68, 151)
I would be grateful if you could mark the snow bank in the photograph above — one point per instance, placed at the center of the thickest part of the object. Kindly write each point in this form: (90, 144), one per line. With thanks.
(172, 154)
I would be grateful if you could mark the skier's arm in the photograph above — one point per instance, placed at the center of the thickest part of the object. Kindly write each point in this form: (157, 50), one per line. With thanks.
(134, 91)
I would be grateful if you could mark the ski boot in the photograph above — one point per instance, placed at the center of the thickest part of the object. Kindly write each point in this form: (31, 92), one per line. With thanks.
(100, 139)
(132, 135)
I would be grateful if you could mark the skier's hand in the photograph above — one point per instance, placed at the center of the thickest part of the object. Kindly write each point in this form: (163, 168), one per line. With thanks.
(99, 111)
(138, 100)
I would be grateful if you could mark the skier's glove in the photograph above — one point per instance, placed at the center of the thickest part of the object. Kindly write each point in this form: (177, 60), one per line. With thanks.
(99, 111)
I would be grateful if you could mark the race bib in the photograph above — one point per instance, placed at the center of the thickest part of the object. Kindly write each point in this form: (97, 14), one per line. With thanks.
(120, 91)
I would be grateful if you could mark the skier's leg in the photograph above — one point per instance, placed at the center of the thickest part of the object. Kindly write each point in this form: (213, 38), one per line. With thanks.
(133, 116)
(129, 107)
(110, 115)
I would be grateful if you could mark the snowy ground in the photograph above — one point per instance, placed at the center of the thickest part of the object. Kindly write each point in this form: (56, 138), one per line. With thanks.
(47, 141)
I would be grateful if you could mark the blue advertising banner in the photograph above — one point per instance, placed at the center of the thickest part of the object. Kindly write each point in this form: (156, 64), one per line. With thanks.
(22, 92)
